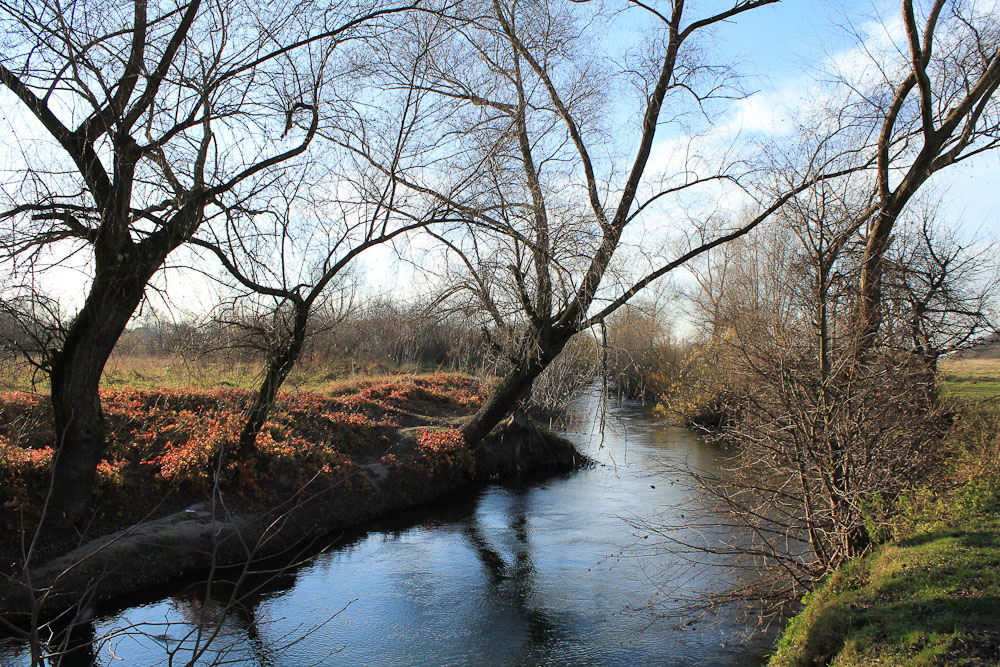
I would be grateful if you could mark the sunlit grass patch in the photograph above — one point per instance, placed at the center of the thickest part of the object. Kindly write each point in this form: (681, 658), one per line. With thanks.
(931, 599)
(970, 378)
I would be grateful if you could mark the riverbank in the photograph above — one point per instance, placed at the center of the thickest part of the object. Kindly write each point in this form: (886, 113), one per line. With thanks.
(543, 571)
(324, 462)
(929, 597)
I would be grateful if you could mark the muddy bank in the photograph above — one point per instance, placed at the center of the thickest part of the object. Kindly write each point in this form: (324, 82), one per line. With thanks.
(206, 535)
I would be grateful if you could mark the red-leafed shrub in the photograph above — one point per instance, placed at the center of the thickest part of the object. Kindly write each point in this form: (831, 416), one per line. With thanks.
(443, 449)
(178, 439)
(440, 440)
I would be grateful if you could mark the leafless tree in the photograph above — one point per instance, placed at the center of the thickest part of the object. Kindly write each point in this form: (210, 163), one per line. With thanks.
(639, 355)
(932, 106)
(821, 445)
(945, 292)
(547, 200)
(839, 411)
(320, 227)
(165, 118)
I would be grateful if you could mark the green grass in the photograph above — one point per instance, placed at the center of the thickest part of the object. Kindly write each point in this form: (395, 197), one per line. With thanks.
(971, 379)
(931, 599)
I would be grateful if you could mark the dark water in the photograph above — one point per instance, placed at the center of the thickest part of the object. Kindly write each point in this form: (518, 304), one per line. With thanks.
(544, 574)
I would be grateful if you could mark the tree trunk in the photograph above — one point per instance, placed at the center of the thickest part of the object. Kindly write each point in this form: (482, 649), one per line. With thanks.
(515, 384)
(279, 366)
(857, 542)
(868, 315)
(76, 374)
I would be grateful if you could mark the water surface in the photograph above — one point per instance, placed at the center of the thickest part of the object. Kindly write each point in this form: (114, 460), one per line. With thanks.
(538, 574)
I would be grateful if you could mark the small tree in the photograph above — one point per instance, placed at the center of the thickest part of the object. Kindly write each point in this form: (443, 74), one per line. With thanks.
(639, 356)
(840, 408)
(310, 262)
(944, 293)
(822, 445)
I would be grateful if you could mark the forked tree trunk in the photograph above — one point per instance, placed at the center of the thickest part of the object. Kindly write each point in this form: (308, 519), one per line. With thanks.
(76, 373)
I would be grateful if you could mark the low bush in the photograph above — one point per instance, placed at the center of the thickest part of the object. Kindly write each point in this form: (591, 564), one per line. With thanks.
(175, 441)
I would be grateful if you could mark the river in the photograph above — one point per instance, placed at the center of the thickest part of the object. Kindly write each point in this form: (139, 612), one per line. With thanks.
(545, 573)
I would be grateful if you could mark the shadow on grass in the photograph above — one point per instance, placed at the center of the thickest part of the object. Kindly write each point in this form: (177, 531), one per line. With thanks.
(965, 538)
(955, 627)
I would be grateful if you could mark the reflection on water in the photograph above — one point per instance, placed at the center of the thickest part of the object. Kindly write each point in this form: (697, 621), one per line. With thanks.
(532, 575)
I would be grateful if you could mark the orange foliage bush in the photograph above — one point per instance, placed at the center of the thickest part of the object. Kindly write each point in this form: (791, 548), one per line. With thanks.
(177, 438)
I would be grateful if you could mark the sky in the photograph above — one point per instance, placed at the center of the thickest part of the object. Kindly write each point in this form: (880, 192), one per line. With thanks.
(780, 48)
(777, 47)
(786, 40)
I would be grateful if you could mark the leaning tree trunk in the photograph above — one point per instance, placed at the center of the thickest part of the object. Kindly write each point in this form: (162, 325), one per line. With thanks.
(515, 385)
(868, 313)
(279, 366)
(76, 373)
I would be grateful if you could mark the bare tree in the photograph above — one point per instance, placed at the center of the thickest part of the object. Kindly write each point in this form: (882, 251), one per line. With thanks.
(547, 201)
(933, 106)
(166, 117)
(315, 239)
(839, 405)
(944, 291)
(821, 445)
(640, 358)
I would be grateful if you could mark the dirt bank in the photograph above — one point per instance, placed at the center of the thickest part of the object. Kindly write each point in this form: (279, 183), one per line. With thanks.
(206, 535)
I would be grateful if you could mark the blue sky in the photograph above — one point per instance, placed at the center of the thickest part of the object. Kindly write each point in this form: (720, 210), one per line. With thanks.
(779, 38)
(775, 47)
(778, 44)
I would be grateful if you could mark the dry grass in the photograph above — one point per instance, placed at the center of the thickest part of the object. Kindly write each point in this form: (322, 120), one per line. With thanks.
(149, 372)
(145, 371)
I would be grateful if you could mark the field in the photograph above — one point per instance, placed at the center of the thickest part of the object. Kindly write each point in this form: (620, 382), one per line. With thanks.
(972, 379)
(162, 371)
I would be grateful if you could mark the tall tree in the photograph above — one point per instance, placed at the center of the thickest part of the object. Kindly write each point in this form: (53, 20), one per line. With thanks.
(533, 160)
(932, 107)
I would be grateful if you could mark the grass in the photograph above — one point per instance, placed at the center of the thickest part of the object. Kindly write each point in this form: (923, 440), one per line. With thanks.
(164, 445)
(971, 379)
(932, 597)
(150, 371)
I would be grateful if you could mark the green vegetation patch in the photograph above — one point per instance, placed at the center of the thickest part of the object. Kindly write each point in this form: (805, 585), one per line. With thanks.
(972, 379)
(931, 599)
